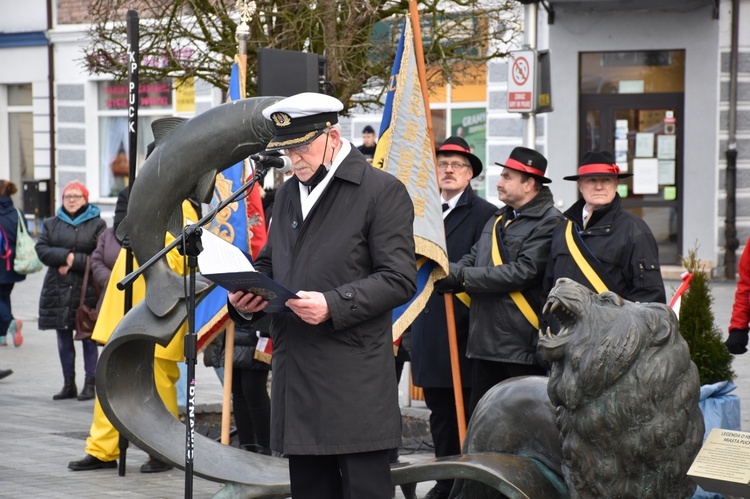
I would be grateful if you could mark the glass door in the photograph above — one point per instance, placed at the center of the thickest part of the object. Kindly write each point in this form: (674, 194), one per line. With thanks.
(644, 132)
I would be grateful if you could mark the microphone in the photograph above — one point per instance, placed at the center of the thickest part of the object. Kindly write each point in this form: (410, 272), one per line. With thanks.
(282, 163)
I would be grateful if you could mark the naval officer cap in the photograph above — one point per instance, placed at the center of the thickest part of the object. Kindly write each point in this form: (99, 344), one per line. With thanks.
(301, 118)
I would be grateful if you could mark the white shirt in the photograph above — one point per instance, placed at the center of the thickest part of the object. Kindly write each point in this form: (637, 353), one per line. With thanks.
(585, 216)
(452, 202)
(308, 200)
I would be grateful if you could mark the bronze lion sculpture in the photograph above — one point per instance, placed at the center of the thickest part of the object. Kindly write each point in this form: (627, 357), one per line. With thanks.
(626, 395)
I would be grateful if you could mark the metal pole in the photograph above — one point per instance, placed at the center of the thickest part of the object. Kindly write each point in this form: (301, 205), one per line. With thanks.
(529, 37)
(730, 222)
(134, 62)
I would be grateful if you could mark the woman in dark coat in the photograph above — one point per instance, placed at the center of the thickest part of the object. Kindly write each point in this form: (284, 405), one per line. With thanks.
(250, 400)
(8, 277)
(66, 240)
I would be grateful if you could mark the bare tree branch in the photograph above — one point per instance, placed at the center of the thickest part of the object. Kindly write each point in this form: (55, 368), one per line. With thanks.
(184, 38)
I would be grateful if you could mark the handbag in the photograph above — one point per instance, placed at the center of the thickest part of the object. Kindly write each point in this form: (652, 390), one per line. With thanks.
(86, 316)
(26, 260)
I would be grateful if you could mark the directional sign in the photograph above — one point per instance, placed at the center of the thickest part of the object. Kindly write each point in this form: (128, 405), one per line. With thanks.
(522, 81)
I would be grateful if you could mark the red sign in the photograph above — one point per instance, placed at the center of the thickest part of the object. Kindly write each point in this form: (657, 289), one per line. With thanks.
(114, 95)
(521, 81)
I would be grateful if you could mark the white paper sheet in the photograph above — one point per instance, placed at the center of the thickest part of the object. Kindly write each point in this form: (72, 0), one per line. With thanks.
(219, 256)
(644, 145)
(645, 176)
(666, 146)
(666, 172)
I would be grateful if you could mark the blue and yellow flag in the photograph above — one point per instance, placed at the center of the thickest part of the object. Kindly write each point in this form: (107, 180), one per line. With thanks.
(405, 149)
(231, 224)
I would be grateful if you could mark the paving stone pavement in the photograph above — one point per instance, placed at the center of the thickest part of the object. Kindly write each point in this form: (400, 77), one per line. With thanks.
(39, 436)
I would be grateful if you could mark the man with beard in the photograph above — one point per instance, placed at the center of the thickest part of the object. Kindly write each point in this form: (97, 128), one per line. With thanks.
(342, 239)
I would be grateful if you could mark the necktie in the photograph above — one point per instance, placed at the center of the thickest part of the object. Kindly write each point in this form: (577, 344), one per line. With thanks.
(445, 207)
(586, 220)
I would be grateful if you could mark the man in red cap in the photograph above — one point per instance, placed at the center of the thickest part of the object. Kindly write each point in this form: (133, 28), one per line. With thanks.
(464, 216)
(503, 275)
(603, 246)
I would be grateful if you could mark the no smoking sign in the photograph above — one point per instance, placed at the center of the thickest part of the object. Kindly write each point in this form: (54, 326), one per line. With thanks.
(520, 71)
(521, 81)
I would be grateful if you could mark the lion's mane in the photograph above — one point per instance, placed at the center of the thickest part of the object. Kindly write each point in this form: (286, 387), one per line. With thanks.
(626, 394)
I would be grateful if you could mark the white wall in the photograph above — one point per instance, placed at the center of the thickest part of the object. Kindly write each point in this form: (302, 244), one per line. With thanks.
(19, 16)
(696, 33)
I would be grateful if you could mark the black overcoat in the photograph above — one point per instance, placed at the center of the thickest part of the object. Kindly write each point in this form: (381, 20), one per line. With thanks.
(61, 294)
(430, 353)
(9, 222)
(334, 387)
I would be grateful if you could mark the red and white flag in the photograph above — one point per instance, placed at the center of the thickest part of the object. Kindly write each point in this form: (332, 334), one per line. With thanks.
(677, 298)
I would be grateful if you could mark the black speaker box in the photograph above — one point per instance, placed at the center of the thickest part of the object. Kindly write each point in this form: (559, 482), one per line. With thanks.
(287, 72)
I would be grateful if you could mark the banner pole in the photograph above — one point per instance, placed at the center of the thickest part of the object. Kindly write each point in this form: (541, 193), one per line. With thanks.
(449, 312)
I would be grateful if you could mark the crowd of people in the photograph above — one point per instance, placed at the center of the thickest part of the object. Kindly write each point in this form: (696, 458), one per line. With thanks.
(342, 240)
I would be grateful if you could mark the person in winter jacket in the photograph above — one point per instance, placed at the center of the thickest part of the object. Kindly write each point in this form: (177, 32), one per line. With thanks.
(601, 245)
(738, 325)
(342, 239)
(503, 275)
(65, 242)
(8, 277)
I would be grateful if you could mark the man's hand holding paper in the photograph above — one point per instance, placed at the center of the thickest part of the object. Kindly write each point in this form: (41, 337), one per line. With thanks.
(231, 268)
(246, 302)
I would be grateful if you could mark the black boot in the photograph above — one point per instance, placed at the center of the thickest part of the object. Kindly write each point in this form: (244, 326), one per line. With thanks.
(91, 463)
(89, 389)
(69, 390)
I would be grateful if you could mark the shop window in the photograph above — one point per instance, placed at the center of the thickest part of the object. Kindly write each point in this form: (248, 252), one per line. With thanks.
(155, 101)
(20, 133)
(632, 72)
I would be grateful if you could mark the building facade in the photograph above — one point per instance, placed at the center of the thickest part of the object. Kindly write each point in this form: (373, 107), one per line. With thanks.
(648, 80)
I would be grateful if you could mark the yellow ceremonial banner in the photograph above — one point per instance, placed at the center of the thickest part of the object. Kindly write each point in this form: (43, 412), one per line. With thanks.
(405, 150)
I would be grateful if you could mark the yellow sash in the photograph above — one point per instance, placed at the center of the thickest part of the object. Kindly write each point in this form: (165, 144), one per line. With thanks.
(583, 264)
(464, 298)
(518, 298)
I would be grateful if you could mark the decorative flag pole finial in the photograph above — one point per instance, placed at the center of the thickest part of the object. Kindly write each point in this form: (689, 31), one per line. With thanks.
(246, 10)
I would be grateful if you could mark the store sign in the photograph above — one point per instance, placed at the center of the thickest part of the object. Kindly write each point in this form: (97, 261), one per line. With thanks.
(522, 81)
(185, 95)
(114, 95)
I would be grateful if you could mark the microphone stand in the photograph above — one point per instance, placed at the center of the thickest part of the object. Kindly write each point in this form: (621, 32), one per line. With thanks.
(191, 247)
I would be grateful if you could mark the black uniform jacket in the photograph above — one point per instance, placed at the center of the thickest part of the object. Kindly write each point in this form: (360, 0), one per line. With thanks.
(498, 330)
(623, 245)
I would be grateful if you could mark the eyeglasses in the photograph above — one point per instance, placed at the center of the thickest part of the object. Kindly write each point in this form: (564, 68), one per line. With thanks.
(72, 196)
(442, 165)
(297, 150)
(304, 148)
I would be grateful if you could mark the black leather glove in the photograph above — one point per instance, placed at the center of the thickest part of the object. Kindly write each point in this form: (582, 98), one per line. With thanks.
(453, 283)
(737, 341)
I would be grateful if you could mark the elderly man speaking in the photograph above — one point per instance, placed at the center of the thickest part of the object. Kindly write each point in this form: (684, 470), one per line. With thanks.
(342, 240)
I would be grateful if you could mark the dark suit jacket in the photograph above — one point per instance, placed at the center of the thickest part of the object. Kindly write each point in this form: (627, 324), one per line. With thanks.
(430, 354)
